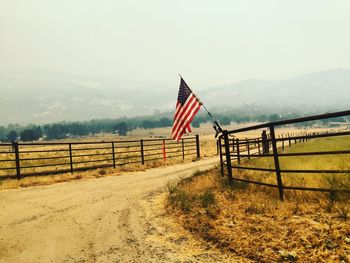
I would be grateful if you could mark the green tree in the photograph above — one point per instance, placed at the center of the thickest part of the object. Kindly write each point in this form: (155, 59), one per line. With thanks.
(243, 119)
(165, 122)
(12, 136)
(225, 120)
(56, 131)
(2, 133)
(38, 132)
(262, 118)
(28, 135)
(121, 128)
(78, 129)
(147, 124)
(195, 124)
(274, 117)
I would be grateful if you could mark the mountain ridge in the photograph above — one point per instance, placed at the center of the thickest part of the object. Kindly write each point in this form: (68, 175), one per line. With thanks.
(43, 97)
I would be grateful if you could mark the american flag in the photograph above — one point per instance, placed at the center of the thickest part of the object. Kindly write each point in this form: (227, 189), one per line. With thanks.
(187, 106)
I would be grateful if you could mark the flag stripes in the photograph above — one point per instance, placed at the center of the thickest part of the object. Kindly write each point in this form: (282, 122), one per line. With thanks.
(186, 108)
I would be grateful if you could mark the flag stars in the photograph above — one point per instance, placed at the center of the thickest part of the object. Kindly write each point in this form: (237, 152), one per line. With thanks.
(184, 92)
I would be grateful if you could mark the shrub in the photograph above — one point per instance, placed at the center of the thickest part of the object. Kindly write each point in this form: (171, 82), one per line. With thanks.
(102, 172)
(180, 198)
(208, 198)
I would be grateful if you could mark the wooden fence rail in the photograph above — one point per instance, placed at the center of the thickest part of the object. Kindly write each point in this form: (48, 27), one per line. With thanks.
(232, 150)
(42, 158)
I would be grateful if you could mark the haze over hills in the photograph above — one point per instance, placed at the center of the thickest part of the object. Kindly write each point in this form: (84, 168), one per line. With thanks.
(314, 92)
(44, 97)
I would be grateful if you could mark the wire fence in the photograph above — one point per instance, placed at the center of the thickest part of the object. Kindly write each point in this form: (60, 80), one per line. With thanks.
(43, 158)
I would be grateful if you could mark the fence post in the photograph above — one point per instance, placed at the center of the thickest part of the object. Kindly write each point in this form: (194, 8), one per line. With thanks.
(142, 154)
(221, 160)
(198, 147)
(18, 167)
(228, 156)
(164, 151)
(217, 147)
(238, 151)
(277, 164)
(248, 148)
(70, 158)
(290, 142)
(265, 143)
(113, 154)
(183, 149)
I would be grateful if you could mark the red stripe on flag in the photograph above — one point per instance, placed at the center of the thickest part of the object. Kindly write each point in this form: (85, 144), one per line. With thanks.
(183, 111)
(183, 118)
(187, 107)
(187, 118)
(182, 131)
(186, 122)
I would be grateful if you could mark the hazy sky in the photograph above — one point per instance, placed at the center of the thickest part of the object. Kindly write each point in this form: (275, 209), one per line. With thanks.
(209, 42)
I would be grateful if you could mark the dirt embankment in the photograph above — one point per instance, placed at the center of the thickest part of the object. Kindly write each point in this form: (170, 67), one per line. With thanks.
(111, 219)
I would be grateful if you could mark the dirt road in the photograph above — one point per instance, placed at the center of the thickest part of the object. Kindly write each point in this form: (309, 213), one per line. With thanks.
(111, 219)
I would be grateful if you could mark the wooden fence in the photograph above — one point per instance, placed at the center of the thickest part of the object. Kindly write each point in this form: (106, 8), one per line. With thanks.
(232, 150)
(25, 159)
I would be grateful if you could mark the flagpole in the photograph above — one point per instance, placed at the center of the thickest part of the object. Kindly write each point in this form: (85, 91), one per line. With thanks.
(211, 116)
(216, 126)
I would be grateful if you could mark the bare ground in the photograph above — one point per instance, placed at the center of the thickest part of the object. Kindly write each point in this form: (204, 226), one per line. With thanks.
(111, 219)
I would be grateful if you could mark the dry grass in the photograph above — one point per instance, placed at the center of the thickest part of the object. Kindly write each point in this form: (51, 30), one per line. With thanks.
(208, 148)
(84, 154)
(204, 130)
(250, 221)
(53, 158)
(96, 173)
(207, 141)
(320, 162)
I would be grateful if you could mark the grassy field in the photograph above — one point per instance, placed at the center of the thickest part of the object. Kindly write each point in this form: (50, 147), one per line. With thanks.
(52, 158)
(320, 162)
(250, 220)
(57, 157)
(101, 153)
(85, 155)
(207, 129)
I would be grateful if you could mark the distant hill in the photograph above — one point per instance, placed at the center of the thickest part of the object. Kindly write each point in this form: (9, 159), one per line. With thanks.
(42, 97)
(320, 91)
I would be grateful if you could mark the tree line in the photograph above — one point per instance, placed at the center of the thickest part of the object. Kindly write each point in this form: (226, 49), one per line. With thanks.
(124, 125)
(78, 129)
